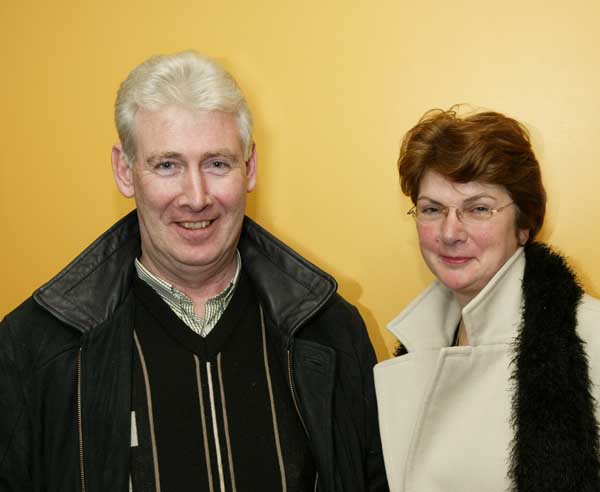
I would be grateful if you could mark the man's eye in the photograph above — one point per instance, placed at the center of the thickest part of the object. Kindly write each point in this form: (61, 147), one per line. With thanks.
(166, 165)
(218, 167)
(166, 168)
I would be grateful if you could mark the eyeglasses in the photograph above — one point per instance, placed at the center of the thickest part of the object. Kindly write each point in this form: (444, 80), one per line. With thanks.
(471, 214)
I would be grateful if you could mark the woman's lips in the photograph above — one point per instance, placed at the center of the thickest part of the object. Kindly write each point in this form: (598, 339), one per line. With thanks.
(455, 260)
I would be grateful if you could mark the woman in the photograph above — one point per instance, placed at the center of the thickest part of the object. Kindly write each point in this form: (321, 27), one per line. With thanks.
(498, 366)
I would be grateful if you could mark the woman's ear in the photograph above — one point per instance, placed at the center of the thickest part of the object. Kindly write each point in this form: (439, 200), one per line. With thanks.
(523, 236)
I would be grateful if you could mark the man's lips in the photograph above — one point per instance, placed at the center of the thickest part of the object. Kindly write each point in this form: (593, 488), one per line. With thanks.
(194, 225)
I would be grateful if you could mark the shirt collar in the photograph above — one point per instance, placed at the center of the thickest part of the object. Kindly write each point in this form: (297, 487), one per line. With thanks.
(173, 296)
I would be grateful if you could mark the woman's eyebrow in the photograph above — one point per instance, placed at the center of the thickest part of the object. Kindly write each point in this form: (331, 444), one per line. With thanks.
(479, 197)
(470, 199)
(425, 197)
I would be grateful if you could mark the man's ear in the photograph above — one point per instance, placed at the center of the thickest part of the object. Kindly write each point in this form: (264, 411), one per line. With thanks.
(251, 165)
(122, 171)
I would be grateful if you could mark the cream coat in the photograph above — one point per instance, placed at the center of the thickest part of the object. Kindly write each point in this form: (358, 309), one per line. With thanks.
(444, 412)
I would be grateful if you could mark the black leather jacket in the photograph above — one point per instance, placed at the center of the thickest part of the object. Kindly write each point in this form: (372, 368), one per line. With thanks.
(65, 369)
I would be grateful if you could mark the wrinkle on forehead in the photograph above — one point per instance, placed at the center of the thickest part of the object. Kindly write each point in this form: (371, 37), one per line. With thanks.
(184, 134)
(437, 188)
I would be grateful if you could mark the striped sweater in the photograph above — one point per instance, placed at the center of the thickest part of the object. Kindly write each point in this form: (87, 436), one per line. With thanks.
(212, 413)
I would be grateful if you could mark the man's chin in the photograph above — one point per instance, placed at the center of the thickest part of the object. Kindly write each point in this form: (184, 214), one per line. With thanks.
(201, 260)
(197, 261)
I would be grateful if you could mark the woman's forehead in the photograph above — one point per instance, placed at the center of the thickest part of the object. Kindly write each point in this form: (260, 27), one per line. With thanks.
(438, 187)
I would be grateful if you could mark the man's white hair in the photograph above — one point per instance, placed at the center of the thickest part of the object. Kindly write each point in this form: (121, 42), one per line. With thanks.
(186, 79)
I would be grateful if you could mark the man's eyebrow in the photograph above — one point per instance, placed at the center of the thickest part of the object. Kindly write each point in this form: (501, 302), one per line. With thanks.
(152, 158)
(221, 153)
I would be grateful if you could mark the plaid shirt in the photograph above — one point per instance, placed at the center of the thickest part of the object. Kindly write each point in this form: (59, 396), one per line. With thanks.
(183, 306)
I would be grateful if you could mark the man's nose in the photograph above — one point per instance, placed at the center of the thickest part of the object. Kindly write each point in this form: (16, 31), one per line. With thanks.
(195, 192)
(452, 228)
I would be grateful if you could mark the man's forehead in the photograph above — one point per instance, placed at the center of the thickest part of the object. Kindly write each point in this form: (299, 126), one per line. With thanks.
(177, 118)
(173, 114)
(174, 129)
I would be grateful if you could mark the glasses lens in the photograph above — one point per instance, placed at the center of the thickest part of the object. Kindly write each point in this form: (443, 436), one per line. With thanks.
(479, 213)
(430, 213)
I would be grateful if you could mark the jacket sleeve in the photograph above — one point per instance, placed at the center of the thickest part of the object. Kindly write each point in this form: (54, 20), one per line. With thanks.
(374, 466)
(14, 423)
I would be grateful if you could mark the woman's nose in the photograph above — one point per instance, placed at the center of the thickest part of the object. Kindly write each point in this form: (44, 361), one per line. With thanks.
(452, 228)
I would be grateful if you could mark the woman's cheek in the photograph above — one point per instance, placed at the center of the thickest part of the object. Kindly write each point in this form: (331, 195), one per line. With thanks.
(428, 235)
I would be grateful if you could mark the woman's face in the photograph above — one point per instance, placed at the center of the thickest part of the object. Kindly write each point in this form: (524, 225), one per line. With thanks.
(464, 257)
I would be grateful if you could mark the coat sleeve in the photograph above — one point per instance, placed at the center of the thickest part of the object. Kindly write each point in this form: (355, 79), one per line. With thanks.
(14, 423)
(342, 418)
(374, 466)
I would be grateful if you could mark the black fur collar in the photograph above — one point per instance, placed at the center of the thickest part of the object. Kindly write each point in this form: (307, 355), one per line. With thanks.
(555, 448)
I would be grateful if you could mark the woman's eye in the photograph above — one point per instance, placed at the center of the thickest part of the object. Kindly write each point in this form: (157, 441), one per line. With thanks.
(479, 210)
(430, 210)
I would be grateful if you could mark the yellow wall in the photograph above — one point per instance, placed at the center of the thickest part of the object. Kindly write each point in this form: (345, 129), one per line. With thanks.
(333, 84)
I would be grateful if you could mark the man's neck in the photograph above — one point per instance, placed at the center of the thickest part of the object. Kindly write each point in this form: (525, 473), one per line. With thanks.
(199, 284)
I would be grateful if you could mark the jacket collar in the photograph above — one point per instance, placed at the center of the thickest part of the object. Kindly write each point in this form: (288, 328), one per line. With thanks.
(93, 285)
(290, 288)
(88, 290)
(418, 326)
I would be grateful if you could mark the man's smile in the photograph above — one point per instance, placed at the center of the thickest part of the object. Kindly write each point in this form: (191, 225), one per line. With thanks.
(202, 224)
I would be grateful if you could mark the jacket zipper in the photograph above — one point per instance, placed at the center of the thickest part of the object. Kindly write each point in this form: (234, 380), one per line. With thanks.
(295, 400)
(293, 391)
(80, 423)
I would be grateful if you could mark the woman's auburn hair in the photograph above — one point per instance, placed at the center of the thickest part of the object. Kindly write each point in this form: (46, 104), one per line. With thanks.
(487, 147)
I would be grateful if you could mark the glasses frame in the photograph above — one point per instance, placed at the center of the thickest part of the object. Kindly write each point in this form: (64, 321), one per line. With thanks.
(459, 214)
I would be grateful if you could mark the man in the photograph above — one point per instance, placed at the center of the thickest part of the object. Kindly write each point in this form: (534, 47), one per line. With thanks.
(187, 348)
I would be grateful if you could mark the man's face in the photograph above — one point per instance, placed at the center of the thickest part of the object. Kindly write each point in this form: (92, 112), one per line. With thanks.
(189, 182)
